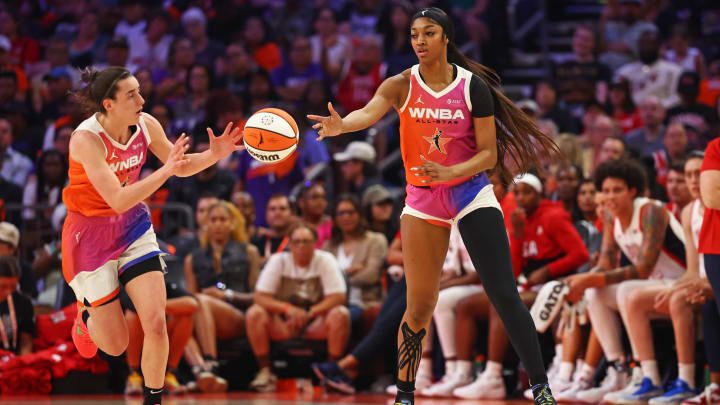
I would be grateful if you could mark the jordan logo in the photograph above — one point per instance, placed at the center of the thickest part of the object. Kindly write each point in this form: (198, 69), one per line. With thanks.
(437, 142)
(113, 156)
(77, 237)
(419, 100)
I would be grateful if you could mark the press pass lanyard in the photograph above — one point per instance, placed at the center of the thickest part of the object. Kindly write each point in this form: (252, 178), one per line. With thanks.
(13, 321)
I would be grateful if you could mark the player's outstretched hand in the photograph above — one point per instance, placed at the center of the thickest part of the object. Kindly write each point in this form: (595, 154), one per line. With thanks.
(436, 172)
(177, 160)
(222, 146)
(327, 126)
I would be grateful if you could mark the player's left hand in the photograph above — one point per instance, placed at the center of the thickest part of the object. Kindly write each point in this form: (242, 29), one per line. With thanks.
(578, 283)
(436, 172)
(222, 146)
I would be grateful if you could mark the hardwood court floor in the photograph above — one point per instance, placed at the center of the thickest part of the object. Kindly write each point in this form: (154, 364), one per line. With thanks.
(240, 399)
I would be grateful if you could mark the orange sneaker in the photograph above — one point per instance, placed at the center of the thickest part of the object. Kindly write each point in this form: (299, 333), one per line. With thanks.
(81, 336)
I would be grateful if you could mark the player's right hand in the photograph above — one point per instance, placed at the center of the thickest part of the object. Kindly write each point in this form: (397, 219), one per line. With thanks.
(327, 126)
(177, 160)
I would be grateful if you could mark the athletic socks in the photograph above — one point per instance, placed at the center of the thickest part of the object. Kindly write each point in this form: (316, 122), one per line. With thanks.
(650, 370)
(153, 396)
(587, 372)
(493, 368)
(686, 372)
(464, 367)
(566, 370)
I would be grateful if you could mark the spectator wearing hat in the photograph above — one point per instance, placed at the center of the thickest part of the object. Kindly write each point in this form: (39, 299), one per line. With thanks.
(16, 167)
(9, 241)
(378, 209)
(17, 317)
(356, 164)
(651, 75)
(700, 117)
(150, 49)
(529, 107)
(206, 50)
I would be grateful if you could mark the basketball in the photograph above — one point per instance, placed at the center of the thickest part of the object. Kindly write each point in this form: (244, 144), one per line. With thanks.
(270, 135)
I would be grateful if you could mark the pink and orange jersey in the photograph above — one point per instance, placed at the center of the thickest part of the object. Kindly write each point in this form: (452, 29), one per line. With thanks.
(437, 125)
(125, 161)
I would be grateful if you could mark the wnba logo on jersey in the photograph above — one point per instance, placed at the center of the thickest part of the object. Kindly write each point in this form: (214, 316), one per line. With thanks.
(128, 163)
(436, 113)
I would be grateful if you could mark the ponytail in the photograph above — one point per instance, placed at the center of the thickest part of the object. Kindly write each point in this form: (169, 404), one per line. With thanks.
(517, 136)
(99, 86)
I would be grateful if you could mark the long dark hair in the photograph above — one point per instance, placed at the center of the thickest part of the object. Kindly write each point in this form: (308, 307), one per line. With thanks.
(99, 86)
(518, 137)
(336, 236)
(42, 180)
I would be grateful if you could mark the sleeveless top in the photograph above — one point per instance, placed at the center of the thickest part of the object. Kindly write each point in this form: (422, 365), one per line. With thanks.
(124, 160)
(696, 220)
(234, 264)
(687, 62)
(437, 125)
(671, 261)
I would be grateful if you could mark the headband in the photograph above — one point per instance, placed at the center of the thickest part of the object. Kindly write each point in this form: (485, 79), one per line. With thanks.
(438, 16)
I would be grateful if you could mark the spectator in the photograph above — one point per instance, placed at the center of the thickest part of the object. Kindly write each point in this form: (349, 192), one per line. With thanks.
(546, 98)
(710, 85)
(300, 294)
(378, 209)
(395, 25)
(313, 204)
(621, 34)
(221, 273)
(648, 139)
(246, 205)
(363, 17)
(582, 78)
(10, 193)
(312, 151)
(587, 204)
(329, 48)
(45, 187)
(362, 75)
(690, 112)
(655, 261)
(179, 310)
(651, 75)
(132, 26)
(74, 114)
(682, 54)
(237, 70)
(171, 80)
(622, 107)
(356, 164)
(147, 89)
(9, 242)
(279, 219)
(57, 54)
(261, 93)
(360, 254)
(598, 131)
(206, 50)
(21, 79)
(117, 53)
(59, 84)
(265, 53)
(571, 147)
(673, 154)
(612, 148)
(291, 79)
(11, 108)
(16, 167)
(88, 47)
(150, 48)
(17, 317)
(190, 110)
(25, 50)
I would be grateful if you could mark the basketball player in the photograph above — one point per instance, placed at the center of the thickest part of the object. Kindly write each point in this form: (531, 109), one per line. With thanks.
(448, 138)
(107, 238)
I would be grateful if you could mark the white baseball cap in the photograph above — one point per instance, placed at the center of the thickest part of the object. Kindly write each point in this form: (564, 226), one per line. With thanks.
(356, 150)
(531, 180)
(9, 234)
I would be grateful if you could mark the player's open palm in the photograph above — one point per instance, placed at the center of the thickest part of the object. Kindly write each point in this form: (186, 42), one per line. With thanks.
(177, 160)
(328, 126)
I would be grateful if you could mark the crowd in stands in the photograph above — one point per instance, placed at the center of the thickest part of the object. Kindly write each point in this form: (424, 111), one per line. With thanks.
(309, 248)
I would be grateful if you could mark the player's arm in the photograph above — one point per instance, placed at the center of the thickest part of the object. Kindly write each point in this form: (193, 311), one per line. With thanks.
(486, 156)
(223, 145)
(26, 343)
(190, 280)
(655, 221)
(609, 250)
(710, 188)
(385, 97)
(88, 150)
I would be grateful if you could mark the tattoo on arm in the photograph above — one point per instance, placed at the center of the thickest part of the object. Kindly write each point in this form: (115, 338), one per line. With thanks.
(623, 273)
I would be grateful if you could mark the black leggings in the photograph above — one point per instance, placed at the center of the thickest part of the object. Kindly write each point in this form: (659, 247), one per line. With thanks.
(485, 237)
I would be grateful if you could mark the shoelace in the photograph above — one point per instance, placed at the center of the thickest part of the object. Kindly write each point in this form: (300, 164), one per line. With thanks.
(544, 397)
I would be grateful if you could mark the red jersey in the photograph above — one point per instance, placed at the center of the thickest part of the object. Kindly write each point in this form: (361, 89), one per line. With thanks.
(124, 160)
(355, 89)
(550, 238)
(710, 232)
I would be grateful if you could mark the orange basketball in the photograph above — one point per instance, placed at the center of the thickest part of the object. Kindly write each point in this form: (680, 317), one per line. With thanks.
(270, 135)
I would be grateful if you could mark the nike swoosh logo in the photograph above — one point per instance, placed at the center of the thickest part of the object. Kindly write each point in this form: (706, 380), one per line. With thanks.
(79, 332)
(156, 392)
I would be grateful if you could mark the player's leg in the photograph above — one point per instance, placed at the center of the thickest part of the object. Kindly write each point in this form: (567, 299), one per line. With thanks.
(134, 384)
(108, 328)
(424, 247)
(485, 237)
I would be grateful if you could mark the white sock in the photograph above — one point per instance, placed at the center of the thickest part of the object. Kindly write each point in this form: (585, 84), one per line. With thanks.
(650, 370)
(566, 370)
(464, 367)
(686, 372)
(558, 354)
(493, 369)
(587, 372)
(450, 367)
(425, 367)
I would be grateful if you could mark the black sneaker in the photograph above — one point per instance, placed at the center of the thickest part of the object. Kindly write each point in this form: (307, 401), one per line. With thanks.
(543, 395)
(404, 398)
(332, 375)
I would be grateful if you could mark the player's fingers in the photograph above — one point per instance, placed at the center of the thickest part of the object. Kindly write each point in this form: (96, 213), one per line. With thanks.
(228, 127)
(210, 132)
(316, 117)
(331, 109)
(239, 147)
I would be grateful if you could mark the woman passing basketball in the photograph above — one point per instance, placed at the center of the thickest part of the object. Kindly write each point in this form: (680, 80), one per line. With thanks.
(107, 238)
(448, 107)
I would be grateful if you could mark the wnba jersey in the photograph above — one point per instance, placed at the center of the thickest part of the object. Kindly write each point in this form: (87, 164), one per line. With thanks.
(438, 125)
(671, 261)
(124, 160)
(696, 221)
